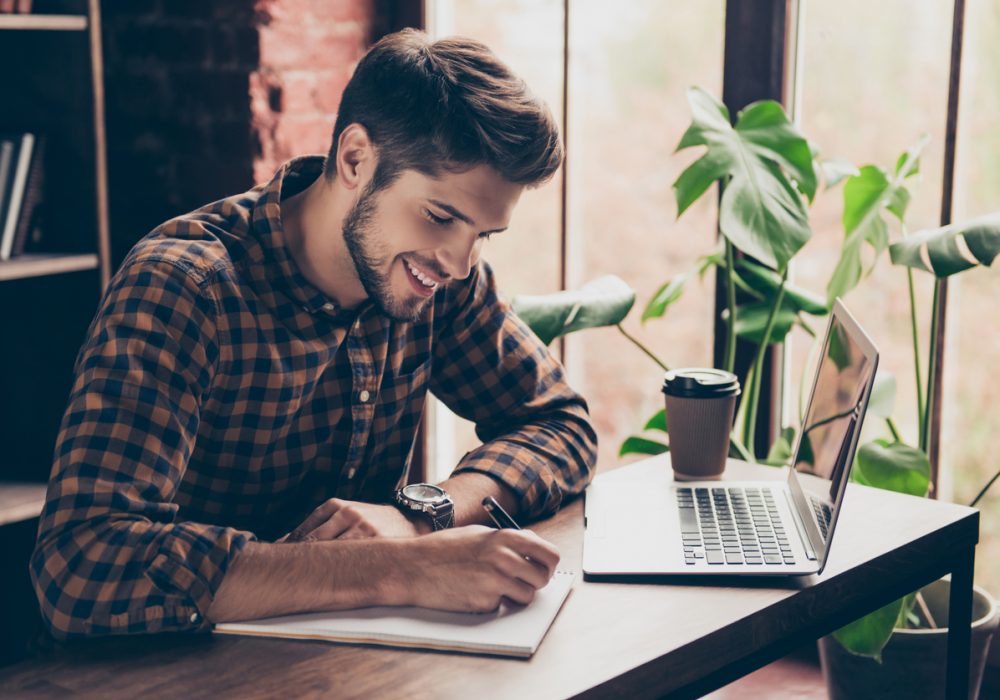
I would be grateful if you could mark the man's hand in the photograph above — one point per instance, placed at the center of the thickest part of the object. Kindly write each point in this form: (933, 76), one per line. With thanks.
(337, 519)
(473, 569)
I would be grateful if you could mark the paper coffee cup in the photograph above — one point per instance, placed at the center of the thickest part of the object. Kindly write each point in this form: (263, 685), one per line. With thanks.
(700, 406)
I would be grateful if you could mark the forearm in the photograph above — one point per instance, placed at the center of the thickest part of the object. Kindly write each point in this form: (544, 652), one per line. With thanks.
(468, 490)
(280, 579)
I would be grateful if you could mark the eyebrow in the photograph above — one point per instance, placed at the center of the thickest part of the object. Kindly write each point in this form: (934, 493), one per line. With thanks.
(459, 215)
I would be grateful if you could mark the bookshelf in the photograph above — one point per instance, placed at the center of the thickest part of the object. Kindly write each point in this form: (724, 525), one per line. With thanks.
(20, 499)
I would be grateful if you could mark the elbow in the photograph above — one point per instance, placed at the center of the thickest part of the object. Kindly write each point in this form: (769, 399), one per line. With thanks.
(60, 610)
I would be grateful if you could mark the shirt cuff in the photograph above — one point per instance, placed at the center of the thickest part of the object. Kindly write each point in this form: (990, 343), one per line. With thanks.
(526, 474)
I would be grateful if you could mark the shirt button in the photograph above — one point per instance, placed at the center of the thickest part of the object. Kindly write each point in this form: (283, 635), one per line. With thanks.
(194, 617)
(351, 472)
(364, 396)
(329, 307)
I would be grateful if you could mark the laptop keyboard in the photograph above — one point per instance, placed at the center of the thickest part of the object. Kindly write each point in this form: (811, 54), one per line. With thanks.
(732, 525)
(823, 516)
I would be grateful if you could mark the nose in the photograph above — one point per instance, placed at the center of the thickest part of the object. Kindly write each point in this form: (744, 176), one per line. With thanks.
(460, 255)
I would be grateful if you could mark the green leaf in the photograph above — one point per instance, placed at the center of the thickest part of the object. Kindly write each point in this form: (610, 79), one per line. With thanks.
(767, 281)
(640, 445)
(605, 301)
(894, 467)
(836, 170)
(761, 213)
(657, 422)
(865, 196)
(665, 296)
(868, 635)
(751, 320)
(883, 398)
(941, 246)
(781, 451)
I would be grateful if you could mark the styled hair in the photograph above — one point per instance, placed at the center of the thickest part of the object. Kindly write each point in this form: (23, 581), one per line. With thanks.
(446, 105)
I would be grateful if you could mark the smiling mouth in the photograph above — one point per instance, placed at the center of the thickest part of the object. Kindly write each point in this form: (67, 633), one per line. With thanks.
(423, 283)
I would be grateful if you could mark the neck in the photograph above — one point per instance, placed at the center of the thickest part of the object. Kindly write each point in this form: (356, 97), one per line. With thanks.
(313, 223)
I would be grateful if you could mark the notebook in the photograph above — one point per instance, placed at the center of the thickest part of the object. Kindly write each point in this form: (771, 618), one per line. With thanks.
(510, 631)
(639, 522)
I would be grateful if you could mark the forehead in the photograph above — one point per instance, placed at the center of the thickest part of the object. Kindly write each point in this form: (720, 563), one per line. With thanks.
(480, 193)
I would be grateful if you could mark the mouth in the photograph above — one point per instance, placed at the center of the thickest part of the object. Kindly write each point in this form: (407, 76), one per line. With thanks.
(422, 282)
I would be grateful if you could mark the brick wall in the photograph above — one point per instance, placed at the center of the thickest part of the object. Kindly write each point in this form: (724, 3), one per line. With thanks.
(205, 99)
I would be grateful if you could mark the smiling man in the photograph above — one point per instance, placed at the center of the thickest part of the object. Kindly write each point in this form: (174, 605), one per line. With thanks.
(247, 400)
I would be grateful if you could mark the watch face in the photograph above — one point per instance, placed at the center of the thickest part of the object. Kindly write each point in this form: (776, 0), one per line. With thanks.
(426, 493)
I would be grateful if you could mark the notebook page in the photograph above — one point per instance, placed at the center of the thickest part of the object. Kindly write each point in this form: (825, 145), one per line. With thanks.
(510, 631)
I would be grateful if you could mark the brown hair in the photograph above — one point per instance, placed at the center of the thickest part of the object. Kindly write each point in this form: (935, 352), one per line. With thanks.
(449, 104)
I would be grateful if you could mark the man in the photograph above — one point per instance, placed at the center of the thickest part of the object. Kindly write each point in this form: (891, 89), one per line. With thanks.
(246, 401)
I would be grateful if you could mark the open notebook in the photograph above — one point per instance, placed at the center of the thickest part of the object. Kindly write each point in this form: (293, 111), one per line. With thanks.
(510, 631)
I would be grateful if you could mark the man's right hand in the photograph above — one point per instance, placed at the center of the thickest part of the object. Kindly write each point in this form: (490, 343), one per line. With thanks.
(472, 568)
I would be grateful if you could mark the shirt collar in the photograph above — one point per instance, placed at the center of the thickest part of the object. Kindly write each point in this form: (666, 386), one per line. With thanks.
(282, 272)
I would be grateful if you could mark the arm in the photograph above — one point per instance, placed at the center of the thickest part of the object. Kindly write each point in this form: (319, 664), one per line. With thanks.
(110, 558)
(468, 569)
(539, 446)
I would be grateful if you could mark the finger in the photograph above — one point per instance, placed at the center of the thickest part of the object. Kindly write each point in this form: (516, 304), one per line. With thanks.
(319, 516)
(519, 592)
(333, 528)
(531, 572)
(528, 544)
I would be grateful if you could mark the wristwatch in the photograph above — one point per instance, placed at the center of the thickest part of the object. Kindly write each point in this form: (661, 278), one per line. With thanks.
(430, 499)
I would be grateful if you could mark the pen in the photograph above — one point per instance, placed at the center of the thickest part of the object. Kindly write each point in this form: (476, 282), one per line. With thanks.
(499, 515)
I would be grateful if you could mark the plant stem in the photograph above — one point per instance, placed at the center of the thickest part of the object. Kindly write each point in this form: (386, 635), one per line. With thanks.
(985, 489)
(730, 359)
(932, 369)
(926, 611)
(759, 364)
(643, 348)
(921, 408)
(893, 429)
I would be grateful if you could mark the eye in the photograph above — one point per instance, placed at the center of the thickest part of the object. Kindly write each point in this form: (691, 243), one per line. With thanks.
(439, 220)
(485, 236)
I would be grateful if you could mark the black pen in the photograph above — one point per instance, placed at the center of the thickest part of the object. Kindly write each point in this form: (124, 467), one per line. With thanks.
(499, 515)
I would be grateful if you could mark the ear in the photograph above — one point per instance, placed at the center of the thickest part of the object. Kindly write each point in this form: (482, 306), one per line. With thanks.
(355, 156)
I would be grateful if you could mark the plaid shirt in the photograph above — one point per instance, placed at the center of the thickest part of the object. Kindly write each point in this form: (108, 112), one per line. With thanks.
(220, 397)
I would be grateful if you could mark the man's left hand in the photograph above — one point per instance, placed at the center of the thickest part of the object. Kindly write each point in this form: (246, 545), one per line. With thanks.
(338, 519)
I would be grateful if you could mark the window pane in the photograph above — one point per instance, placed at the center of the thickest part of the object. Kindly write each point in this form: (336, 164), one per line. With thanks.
(972, 388)
(528, 36)
(631, 65)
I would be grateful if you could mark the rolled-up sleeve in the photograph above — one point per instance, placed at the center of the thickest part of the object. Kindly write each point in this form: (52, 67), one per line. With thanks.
(490, 368)
(111, 557)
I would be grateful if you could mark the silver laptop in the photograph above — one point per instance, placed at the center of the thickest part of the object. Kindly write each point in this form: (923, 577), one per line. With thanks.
(641, 522)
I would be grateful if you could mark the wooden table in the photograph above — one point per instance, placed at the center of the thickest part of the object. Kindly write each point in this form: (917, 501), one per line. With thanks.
(610, 640)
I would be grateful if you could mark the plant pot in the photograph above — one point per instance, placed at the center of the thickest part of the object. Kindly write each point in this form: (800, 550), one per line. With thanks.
(913, 662)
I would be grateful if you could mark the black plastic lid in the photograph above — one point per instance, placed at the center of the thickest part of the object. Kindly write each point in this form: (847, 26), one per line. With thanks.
(700, 383)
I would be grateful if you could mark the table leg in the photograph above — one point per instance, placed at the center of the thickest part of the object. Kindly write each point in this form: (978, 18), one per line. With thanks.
(960, 624)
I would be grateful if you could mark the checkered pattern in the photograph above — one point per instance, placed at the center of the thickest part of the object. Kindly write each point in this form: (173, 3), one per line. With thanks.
(220, 397)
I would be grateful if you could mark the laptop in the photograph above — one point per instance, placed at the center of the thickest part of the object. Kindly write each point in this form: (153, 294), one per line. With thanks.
(641, 522)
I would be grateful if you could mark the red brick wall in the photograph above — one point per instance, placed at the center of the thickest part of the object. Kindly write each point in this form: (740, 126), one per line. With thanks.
(205, 99)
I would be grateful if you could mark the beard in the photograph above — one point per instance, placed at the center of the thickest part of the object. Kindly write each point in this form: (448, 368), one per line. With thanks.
(372, 263)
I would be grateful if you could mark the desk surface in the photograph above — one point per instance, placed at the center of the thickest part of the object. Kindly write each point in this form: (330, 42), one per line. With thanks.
(610, 640)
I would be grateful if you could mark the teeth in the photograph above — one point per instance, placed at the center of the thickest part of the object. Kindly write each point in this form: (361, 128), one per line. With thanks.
(424, 279)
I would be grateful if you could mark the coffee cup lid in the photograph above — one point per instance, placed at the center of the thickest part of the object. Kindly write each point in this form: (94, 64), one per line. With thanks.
(700, 382)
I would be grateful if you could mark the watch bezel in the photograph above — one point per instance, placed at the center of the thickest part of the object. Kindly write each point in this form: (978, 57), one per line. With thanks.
(412, 500)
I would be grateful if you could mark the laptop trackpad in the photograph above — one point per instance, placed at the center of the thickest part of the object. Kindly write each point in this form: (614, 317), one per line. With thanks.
(628, 528)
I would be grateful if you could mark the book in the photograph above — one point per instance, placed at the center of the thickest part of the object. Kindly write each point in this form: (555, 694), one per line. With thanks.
(18, 183)
(28, 219)
(7, 152)
(510, 631)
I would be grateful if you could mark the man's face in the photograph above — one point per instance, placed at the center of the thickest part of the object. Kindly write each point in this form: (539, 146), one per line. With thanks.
(420, 233)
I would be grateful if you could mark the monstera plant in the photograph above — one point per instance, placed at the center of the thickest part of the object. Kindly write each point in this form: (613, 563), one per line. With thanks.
(769, 174)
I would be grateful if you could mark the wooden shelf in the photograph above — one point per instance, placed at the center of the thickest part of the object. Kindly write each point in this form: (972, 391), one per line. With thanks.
(51, 264)
(20, 500)
(72, 23)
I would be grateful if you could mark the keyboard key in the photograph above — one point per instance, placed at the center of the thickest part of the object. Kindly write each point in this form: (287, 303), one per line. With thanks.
(772, 559)
(689, 523)
(734, 558)
(713, 557)
(753, 560)
(789, 560)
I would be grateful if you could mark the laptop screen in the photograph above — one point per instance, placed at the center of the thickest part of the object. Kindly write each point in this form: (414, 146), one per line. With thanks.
(828, 436)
